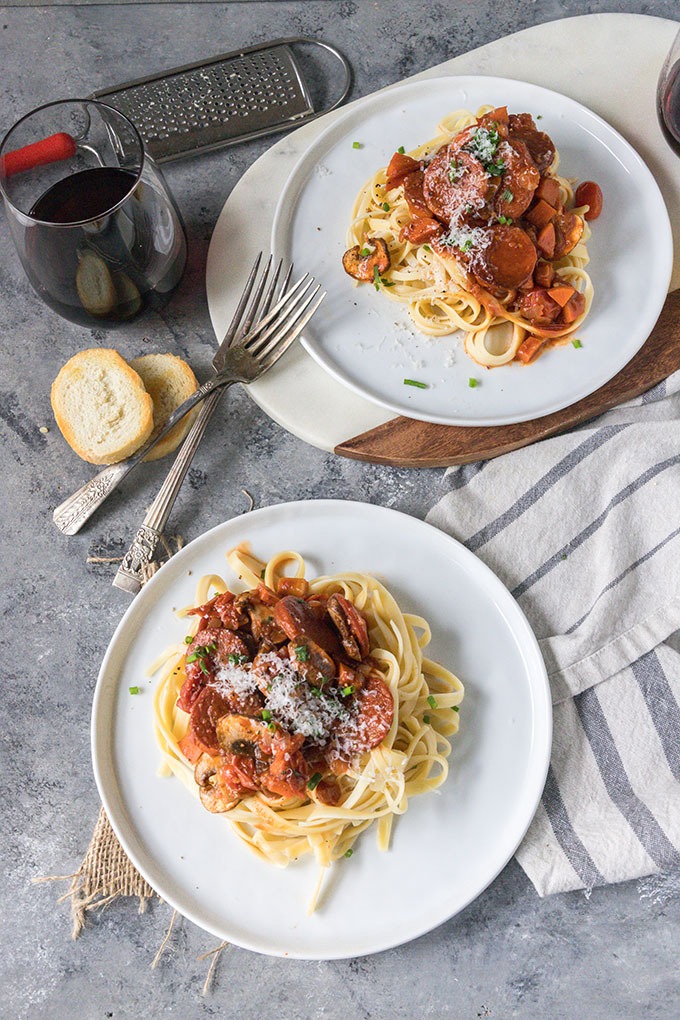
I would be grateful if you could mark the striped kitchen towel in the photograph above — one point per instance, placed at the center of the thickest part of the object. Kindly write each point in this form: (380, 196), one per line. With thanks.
(584, 530)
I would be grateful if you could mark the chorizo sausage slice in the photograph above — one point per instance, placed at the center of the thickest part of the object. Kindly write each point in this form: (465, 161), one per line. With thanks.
(505, 259)
(540, 145)
(370, 723)
(300, 623)
(519, 181)
(199, 666)
(201, 737)
(455, 185)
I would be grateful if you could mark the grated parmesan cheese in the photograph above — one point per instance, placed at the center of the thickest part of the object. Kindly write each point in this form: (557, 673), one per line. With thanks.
(234, 678)
(464, 238)
(300, 708)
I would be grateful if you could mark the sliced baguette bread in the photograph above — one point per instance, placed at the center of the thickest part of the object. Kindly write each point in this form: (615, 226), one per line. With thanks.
(101, 406)
(169, 381)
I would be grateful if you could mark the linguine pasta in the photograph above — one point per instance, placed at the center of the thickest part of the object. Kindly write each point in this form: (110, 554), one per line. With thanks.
(412, 759)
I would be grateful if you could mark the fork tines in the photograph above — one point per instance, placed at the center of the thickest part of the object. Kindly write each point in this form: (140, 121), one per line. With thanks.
(276, 331)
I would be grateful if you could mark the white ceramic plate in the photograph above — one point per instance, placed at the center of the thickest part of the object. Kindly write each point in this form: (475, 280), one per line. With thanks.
(367, 342)
(445, 850)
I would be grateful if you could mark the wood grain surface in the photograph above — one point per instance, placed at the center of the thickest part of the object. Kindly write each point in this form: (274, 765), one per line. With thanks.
(403, 442)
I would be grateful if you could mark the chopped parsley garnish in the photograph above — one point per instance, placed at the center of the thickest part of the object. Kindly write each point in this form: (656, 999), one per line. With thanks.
(401, 150)
(432, 701)
(202, 652)
(456, 171)
(426, 247)
(188, 639)
(134, 690)
(466, 245)
(426, 720)
(507, 195)
(507, 220)
(472, 382)
(365, 252)
(266, 714)
(316, 692)
(346, 691)
(415, 382)
(314, 781)
(262, 574)
(576, 343)
(356, 145)
(378, 279)
(348, 853)
(484, 146)
(237, 660)
(302, 653)
(386, 206)
(455, 708)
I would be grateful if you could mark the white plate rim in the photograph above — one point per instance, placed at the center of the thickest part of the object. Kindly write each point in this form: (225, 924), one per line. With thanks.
(538, 685)
(392, 96)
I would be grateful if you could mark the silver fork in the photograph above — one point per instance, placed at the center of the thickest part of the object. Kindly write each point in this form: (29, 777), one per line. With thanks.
(133, 571)
(259, 349)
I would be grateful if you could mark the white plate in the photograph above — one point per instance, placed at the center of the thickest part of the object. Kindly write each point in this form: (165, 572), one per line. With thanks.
(445, 850)
(367, 342)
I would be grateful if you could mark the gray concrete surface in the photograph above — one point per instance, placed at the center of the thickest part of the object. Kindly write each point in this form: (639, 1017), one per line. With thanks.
(612, 954)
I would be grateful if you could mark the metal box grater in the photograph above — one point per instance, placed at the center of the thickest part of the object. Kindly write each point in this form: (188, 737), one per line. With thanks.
(227, 99)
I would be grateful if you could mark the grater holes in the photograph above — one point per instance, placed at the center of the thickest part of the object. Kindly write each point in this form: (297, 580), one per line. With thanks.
(215, 103)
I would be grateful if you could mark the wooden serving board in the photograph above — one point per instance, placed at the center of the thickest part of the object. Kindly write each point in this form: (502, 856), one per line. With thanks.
(406, 443)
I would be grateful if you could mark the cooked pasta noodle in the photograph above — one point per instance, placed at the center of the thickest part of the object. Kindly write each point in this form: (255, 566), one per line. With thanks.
(436, 289)
(412, 759)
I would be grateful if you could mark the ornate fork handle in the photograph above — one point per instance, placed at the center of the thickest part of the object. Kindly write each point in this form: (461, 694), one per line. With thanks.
(133, 571)
(73, 512)
(70, 515)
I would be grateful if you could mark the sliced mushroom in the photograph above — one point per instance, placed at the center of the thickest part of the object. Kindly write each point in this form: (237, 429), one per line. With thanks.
(311, 661)
(351, 626)
(243, 736)
(362, 266)
(215, 795)
(568, 233)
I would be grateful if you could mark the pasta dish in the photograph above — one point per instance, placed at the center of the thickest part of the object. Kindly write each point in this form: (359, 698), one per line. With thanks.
(475, 230)
(303, 710)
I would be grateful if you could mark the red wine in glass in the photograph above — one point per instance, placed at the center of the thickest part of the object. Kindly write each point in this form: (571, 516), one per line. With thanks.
(669, 107)
(115, 265)
(95, 225)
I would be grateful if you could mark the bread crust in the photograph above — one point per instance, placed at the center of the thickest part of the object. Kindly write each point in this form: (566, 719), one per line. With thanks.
(101, 406)
(169, 381)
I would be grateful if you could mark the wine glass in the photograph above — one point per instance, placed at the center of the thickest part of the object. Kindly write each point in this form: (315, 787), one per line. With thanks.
(668, 96)
(95, 225)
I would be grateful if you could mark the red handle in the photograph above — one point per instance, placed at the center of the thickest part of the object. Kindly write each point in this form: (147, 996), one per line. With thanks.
(48, 150)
